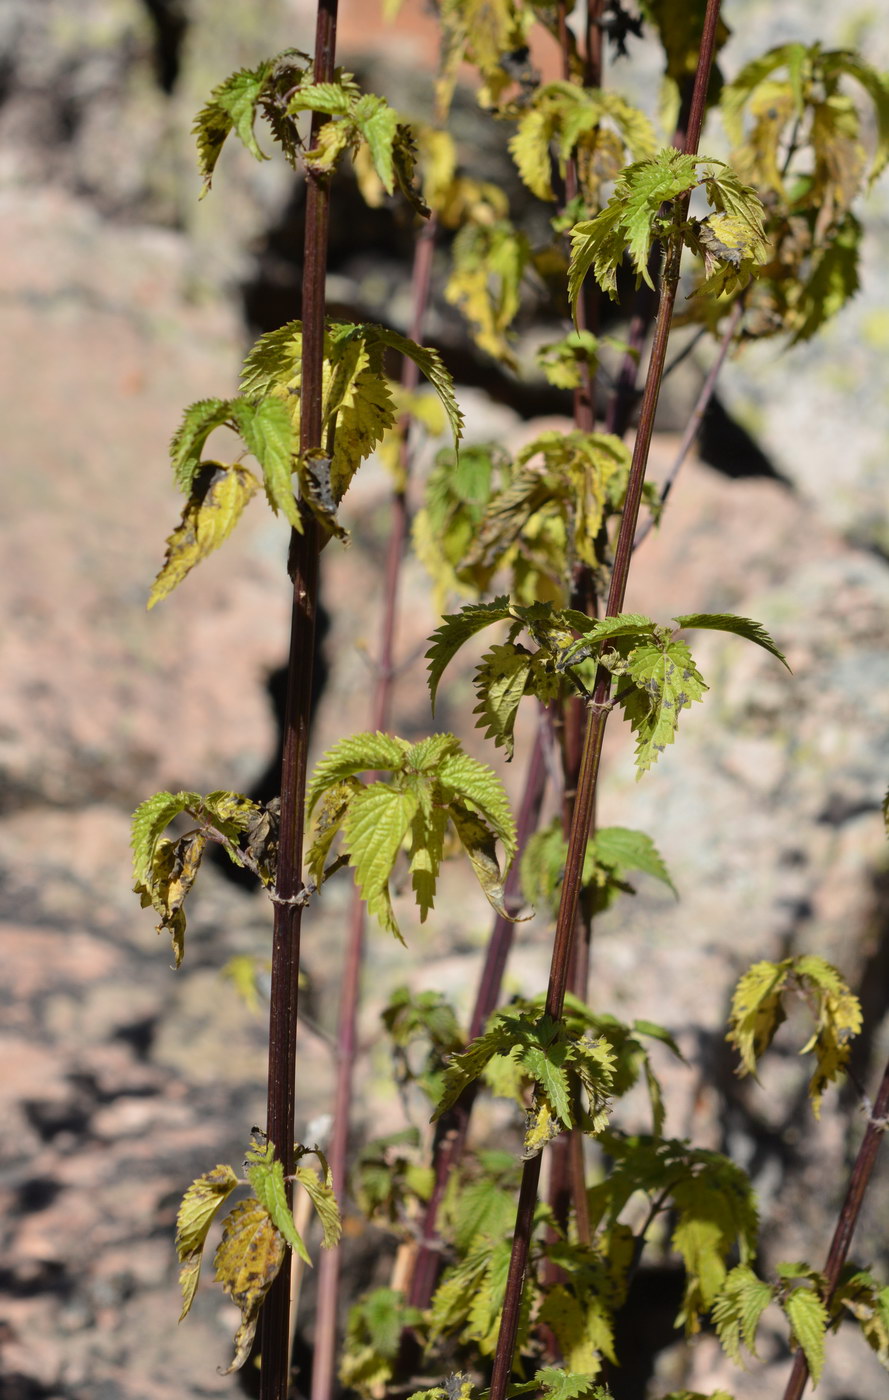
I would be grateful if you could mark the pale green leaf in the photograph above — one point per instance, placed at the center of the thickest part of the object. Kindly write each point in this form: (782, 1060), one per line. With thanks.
(267, 429)
(808, 1320)
(625, 849)
(232, 106)
(187, 445)
(375, 826)
(377, 123)
(426, 852)
(558, 1384)
(597, 632)
(150, 819)
(501, 681)
(359, 753)
(429, 363)
(737, 1311)
(266, 1175)
(740, 626)
(457, 628)
(478, 841)
(666, 681)
(757, 1011)
(463, 779)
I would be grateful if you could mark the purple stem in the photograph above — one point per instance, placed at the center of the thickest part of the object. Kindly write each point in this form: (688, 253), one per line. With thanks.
(303, 566)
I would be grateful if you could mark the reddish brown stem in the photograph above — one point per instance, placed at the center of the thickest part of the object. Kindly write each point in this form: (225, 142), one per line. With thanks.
(324, 1361)
(848, 1219)
(560, 966)
(304, 550)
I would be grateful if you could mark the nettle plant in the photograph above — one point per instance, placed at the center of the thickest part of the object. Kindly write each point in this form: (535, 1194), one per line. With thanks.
(493, 1285)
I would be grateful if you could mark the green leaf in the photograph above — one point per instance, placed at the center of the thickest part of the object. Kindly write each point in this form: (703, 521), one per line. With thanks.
(833, 280)
(717, 1214)
(597, 632)
(266, 1175)
(559, 1384)
(150, 820)
(196, 1213)
(463, 779)
(219, 495)
(360, 753)
(247, 1261)
(666, 682)
(375, 826)
(481, 1207)
(625, 849)
(426, 853)
(740, 626)
(232, 106)
(501, 681)
(737, 1311)
(267, 429)
(630, 221)
(808, 1319)
(187, 445)
(457, 628)
(378, 125)
(859, 1294)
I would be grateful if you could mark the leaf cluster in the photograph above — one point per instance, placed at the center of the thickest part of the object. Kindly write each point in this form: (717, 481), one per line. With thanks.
(549, 1067)
(597, 129)
(280, 89)
(373, 1339)
(357, 412)
(256, 1233)
(758, 1009)
(800, 137)
(424, 1020)
(710, 1199)
(654, 670)
(611, 854)
(634, 218)
(434, 789)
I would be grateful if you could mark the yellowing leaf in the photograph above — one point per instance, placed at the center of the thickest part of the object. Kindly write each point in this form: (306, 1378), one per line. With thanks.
(319, 1189)
(757, 1012)
(219, 495)
(247, 1261)
(541, 1128)
(199, 1205)
(489, 262)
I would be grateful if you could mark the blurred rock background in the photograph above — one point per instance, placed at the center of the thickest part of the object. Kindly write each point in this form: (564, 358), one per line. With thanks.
(122, 299)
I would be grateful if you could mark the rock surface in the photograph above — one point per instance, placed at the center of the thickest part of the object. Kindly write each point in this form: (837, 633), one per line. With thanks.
(123, 1080)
